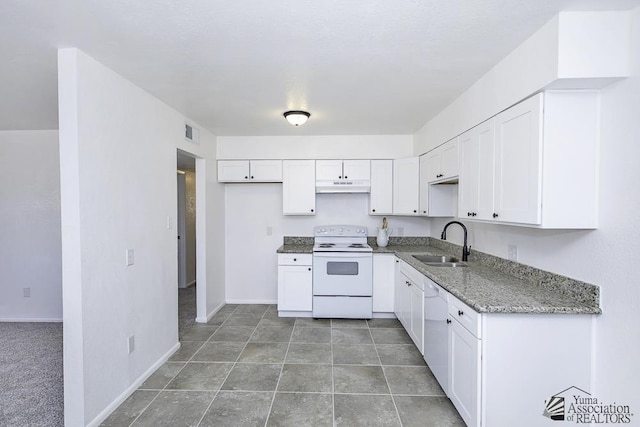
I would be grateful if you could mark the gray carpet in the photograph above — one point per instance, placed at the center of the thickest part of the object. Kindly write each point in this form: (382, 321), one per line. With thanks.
(31, 381)
(31, 374)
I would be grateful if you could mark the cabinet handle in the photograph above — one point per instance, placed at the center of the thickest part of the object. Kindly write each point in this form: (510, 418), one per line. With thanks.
(424, 212)
(448, 321)
(339, 177)
(460, 313)
(468, 213)
(473, 214)
(415, 211)
(309, 268)
(346, 177)
(251, 176)
(495, 215)
(408, 283)
(311, 210)
(295, 259)
(373, 210)
(246, 177)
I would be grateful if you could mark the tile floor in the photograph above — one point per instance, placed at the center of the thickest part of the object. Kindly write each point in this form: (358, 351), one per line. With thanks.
(248, 367)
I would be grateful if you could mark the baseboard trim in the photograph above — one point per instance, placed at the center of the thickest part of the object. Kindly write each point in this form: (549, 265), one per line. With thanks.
(133, 387)
(32, 320)
(210, 315)
(252, 301)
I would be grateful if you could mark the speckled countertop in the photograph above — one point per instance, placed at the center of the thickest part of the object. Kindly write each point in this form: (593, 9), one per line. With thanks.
(488, 284)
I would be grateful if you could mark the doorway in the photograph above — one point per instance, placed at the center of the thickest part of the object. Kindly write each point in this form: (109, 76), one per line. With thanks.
(186, 239)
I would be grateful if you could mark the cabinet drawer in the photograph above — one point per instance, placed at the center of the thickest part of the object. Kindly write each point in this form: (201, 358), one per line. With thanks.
(295, 259)
(414, 276)
(464, 314)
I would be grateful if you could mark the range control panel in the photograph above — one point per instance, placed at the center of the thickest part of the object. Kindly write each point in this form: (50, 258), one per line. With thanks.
(340, 231)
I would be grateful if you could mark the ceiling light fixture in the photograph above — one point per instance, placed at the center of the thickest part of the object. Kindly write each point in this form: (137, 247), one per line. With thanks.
(296, 118)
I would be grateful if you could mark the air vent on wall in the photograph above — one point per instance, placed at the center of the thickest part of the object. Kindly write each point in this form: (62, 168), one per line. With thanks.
(191, 134)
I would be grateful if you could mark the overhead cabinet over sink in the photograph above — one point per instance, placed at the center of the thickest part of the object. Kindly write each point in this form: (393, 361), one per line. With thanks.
(534, 164)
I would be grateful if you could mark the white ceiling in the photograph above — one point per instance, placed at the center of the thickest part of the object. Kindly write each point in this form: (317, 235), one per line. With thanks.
(359, 66)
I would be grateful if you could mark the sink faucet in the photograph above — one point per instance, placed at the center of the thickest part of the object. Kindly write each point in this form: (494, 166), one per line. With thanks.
(465, 250)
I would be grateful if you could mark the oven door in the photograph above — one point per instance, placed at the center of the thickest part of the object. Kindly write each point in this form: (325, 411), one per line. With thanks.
(342, 273)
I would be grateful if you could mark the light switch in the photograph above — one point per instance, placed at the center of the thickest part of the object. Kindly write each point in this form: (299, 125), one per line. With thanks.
(129, 257)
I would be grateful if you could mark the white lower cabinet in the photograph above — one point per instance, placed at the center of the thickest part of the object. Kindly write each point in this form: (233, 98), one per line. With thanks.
(383, 280)
(409, 301)
(504, 366)
(464, 363)
(295, 291)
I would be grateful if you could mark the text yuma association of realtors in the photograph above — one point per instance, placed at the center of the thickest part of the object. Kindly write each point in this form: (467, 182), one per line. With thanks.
(590, 410)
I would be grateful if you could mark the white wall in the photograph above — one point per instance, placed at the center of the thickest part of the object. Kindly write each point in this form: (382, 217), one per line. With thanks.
(315, 147)
(573, 50)
(606, 256)
(118, 191)
(30, 254)
(251, 253)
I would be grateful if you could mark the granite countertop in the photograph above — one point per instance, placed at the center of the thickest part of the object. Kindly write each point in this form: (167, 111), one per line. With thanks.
(487, 284)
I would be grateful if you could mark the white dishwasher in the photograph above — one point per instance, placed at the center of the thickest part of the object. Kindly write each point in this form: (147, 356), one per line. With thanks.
(436, 345)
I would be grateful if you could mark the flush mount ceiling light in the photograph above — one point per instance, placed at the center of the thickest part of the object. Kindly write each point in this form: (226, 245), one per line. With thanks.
(296, 118)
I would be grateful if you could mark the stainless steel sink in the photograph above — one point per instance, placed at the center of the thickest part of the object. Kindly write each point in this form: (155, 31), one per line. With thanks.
(439, 260)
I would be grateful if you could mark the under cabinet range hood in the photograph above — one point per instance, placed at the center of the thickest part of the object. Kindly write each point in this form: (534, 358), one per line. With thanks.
(343, 186)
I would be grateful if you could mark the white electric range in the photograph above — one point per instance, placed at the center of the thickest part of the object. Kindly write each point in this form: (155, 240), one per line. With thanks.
(342, 272)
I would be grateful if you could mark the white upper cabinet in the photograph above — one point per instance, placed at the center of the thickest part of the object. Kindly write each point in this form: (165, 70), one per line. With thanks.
(381, 197)
(518, 163)
(233, 170)
(298, 187)
(442, 162)
(534, 164)
(327, 170)
(406, 179)
(331, 170)
(436, 199)
(475, 192)
(250, 170)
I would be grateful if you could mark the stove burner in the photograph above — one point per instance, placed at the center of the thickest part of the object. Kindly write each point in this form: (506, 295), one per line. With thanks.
(326, 245)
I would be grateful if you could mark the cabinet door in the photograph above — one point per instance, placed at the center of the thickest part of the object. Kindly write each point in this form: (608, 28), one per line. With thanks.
(468, 185)
(424, 185)
(266, 170)
(464, 372)
(383, 283)
(406, 179)
(356, 169)
(294, 288)
(416, 313)
(233, 170)
(381, 197)
(449, 159)
(433, 165)
(518, 163)
(328, 170)
(402, 301)
(485, 135)
(298, 187)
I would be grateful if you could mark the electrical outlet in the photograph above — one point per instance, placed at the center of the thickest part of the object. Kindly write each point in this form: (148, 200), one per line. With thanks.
(131, 343)
(26, 292)
(129, 257)
(513, 252)
(269, 230)
(400, 231)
